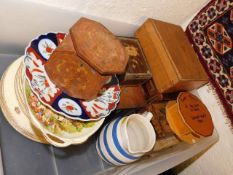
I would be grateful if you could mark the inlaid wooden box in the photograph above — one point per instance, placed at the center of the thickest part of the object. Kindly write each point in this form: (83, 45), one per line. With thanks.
(172, 60)
(137, 70)
(165, 137)
(153, 95)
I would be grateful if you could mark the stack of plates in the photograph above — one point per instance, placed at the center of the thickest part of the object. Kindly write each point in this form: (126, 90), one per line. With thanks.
(39, 110)
(15, 114)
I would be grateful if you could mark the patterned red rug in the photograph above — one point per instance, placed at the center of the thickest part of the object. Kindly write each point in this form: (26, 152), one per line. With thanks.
(211, 33)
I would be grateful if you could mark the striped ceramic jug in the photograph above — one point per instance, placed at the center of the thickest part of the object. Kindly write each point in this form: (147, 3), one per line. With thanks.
(126, 139)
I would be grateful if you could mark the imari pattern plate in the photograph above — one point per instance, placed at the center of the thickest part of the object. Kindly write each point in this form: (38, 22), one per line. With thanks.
(36, 55)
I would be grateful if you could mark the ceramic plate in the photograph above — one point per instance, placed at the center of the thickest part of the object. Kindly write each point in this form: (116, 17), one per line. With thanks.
(64, 131)
(11, 108)
(33, 119)
(36, 55)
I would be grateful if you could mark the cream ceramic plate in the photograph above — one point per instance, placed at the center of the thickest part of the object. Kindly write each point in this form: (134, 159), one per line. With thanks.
(11, 109)
(14, 89)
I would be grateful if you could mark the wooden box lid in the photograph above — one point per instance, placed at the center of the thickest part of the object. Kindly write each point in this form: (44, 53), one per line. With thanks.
(189, 118)
(195, 114)
(98, 47)
(74, 76)
(170, 56)
(137, 64)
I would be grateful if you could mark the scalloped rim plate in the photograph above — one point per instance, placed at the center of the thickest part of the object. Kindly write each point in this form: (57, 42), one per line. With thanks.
(36, 55)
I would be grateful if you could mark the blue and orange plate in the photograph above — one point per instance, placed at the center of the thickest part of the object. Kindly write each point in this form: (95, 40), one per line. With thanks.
(36, 55)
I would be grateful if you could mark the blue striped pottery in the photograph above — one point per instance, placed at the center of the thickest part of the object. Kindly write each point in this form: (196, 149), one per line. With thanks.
(126, 139)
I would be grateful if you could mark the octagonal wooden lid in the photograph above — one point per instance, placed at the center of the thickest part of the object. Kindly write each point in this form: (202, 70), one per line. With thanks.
(97, 46)
(74, 76)
(195, 114)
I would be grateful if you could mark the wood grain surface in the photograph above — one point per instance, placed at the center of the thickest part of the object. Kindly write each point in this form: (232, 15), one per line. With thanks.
(172, 60)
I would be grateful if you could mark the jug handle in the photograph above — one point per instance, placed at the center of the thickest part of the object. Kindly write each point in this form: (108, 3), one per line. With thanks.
(148, 115)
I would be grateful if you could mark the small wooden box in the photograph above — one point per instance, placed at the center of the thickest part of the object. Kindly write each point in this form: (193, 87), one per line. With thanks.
(137, 70)
(164, 135)
(153, 95)
(172, 60)
(151, 92)
(131, 97)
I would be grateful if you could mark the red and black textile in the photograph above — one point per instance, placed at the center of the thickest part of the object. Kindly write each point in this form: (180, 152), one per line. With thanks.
(211, 34)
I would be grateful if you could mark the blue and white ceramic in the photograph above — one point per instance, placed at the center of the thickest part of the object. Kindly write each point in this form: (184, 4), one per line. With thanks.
(126, 139)
(36, 55)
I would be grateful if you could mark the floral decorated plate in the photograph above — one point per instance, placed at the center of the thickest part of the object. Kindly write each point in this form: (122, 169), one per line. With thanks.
(36, 55)
(57, 129)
